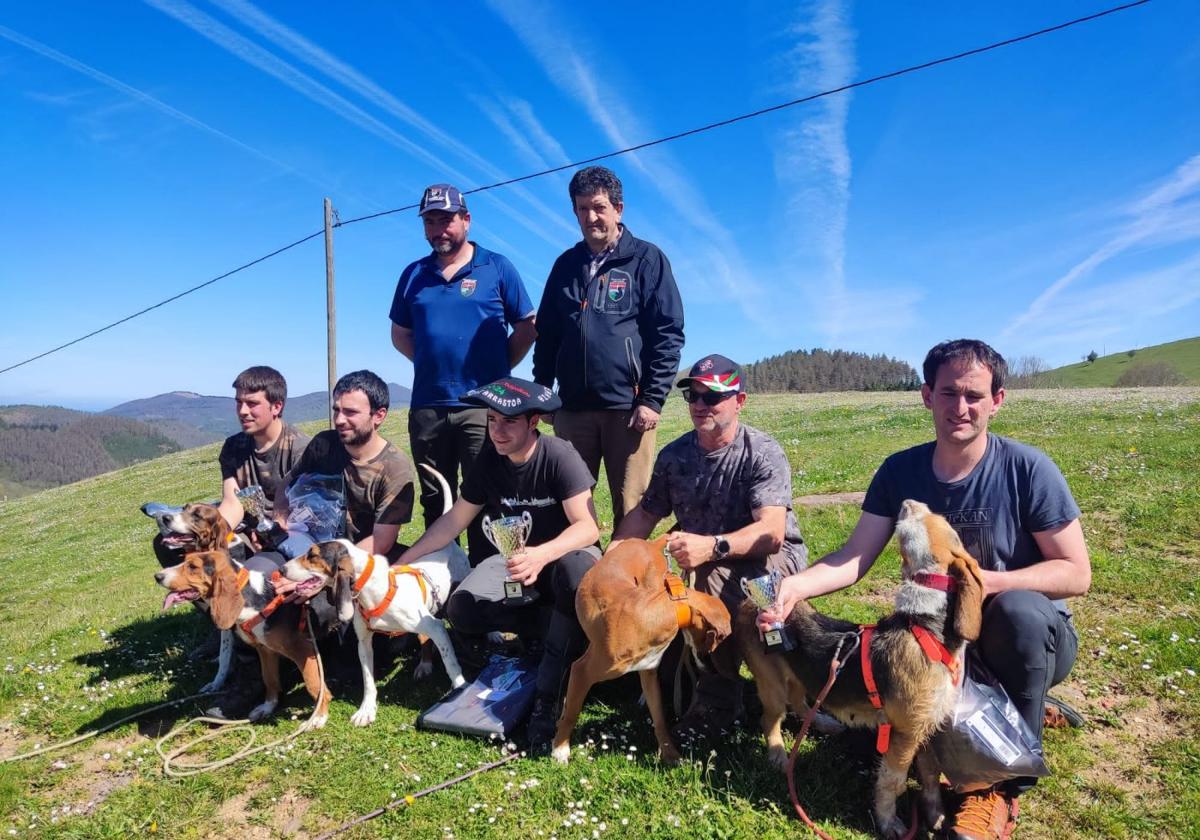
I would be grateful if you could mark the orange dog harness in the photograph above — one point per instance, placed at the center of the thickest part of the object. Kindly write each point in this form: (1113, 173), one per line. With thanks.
(380, 608)
(932, 648)
(677, 592)
(275, 603)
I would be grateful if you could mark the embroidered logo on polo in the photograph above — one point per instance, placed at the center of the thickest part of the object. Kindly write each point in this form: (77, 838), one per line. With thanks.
(468, 287)
(618, 284)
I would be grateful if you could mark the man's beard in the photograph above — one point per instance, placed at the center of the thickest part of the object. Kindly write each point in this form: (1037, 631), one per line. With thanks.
(445, 246)
(358, 437)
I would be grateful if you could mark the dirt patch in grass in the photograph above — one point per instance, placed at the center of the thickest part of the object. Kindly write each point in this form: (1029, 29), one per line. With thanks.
(1123, 751)
(234, 815)
(824, 499)
(97, 776)
(289, 814)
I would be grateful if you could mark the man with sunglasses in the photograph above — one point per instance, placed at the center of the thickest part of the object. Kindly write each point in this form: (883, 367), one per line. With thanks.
(729, 487)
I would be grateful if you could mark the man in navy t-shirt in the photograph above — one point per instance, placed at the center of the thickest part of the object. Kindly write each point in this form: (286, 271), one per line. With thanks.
(1011, 506)
(451, 316)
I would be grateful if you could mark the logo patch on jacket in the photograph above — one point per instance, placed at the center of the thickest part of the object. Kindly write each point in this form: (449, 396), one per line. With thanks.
(618, 285)
(468, 287)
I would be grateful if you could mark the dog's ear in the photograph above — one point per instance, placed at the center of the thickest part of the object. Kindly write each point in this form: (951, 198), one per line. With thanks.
(343, 588)
(224, 599)
(968, 600)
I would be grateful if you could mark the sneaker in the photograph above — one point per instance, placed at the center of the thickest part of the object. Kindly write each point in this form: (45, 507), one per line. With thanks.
(984, 815)
(543, 720)
(1059, 715)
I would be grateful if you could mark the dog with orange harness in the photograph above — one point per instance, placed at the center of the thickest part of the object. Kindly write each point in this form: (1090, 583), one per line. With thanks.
(900, 676)
(631, 607)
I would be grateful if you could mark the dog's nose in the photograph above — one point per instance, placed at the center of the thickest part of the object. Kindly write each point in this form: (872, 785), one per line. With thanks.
(158, 577)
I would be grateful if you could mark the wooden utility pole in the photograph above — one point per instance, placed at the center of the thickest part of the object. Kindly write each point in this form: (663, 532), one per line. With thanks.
(330, 309)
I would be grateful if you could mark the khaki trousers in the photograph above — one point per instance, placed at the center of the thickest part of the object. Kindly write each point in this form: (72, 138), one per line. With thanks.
(628, 455)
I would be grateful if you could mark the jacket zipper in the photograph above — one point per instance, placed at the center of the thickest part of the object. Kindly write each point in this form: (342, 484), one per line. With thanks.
(634, 367)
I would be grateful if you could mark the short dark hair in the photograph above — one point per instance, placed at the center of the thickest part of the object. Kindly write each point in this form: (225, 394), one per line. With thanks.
(594, 179)
(965, 351)
(367, 382)
(262, 378)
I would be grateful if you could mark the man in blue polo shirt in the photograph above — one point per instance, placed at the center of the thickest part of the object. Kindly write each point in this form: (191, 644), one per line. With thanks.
(451, 316)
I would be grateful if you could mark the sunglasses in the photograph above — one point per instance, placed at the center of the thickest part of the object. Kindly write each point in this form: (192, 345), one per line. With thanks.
(709, 398)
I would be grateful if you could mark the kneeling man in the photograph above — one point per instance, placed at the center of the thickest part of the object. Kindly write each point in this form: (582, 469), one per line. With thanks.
(525, 471)
(730, 488)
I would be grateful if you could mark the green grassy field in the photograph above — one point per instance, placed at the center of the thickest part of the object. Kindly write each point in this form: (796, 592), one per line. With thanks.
(1183, 356)
(84, 643)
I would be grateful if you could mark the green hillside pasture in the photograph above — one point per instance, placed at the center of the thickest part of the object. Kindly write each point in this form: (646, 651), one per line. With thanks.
(84, 643)
(1183, 356)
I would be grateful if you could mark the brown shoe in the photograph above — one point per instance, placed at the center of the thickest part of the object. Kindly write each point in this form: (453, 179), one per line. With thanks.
(1059, 715)
(985, 815)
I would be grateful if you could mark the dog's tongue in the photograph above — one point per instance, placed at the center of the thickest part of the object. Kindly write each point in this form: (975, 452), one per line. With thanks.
(172, 599)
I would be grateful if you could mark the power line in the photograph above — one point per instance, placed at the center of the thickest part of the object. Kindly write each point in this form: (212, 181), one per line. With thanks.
(649, 143)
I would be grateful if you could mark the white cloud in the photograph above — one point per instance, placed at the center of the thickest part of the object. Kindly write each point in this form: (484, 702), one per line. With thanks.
(1167, 214)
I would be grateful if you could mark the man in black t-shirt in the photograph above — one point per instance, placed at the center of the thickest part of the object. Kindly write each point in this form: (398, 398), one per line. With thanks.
(523, 471)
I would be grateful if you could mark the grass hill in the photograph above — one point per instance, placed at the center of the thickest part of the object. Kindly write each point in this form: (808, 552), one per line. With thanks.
(84, 643)
(1183, 356)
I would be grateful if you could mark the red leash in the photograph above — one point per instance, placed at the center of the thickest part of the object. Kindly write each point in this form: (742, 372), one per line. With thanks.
(835, 668)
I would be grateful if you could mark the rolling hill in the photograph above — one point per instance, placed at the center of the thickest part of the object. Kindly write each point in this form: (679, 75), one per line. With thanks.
(1183, 356)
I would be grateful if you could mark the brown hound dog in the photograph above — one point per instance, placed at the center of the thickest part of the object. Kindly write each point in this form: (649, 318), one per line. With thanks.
(631, 610)
(242, 599)
(910, 661)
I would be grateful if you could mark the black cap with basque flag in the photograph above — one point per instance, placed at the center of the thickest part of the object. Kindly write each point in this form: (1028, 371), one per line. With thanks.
(715, 372)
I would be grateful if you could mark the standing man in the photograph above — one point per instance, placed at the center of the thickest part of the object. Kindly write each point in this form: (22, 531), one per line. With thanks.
(1014, 512)
(377, 477)
(525, 472)
(729, 486)
(610, 330)
(451, 316)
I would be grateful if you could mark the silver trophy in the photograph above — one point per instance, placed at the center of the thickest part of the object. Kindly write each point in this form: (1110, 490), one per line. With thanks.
(254, 502)
(763, 593)
(509, 534)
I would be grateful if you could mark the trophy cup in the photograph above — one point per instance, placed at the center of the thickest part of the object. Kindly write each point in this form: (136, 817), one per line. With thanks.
(508, 534)
(254, 502)
(763, 591)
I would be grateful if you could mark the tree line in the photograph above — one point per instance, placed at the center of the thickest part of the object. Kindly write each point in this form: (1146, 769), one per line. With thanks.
(47, 454)
(830, 370)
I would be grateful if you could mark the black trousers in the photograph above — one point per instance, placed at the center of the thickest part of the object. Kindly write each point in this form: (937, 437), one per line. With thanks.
(1030, 646)
(547, 612)
(449, 440)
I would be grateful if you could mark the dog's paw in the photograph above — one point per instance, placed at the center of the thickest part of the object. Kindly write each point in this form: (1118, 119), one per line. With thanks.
(423, 670)
(365, 716)
(778, 758)
(314, 722)
(667, 754)
(561, 753)
(261, 712)
(212, 687)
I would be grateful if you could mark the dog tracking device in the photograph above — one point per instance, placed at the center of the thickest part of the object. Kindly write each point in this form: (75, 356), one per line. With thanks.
(493, 705)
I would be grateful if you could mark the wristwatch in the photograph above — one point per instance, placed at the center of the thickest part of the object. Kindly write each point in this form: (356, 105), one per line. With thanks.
(720, 547)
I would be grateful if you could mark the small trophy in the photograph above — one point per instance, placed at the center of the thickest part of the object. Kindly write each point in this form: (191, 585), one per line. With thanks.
(254, 502)
(763, 591)
(509, 534)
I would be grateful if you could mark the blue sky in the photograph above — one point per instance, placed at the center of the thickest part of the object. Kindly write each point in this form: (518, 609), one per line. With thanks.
(1044, 197)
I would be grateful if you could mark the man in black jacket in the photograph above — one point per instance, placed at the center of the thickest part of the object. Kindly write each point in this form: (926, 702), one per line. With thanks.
(610, 331)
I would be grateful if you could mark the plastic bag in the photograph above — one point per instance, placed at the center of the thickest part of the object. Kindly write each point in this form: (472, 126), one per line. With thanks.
(986, 740)
(317, 506)
(493, 705)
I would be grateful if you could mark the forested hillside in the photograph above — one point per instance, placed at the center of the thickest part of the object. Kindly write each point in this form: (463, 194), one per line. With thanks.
(830, 370)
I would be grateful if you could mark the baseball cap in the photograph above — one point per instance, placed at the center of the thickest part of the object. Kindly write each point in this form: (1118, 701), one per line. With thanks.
(513, 397)
(442, 197)
(715, 372)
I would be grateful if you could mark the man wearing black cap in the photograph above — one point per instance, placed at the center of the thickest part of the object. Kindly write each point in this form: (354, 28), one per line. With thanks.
(729, 486)
(525, 471)
(610, 330)
(451, 316)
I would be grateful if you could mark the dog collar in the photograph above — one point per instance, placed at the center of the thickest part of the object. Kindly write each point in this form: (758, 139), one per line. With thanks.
(243, 576)
(931, 580)
(677, 592)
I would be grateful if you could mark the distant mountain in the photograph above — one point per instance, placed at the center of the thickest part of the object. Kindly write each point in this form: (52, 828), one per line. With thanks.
(194, 419)
(44, 447)
(1181, 357)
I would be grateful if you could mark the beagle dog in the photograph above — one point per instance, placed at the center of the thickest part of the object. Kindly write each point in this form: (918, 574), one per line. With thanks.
(631, 607)
(201, 527)
(901, 675)
(244, 600)
(392, 600)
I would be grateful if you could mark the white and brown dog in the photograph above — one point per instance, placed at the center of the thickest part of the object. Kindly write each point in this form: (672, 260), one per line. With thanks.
(902, 676)
(244, 600)
(382, 599)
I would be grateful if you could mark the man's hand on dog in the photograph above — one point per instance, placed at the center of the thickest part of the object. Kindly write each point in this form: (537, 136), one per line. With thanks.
(526, 566)
(691, 550)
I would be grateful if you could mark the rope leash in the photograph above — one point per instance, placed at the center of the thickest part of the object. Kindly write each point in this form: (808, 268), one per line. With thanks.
(409, 799)
(835, 670)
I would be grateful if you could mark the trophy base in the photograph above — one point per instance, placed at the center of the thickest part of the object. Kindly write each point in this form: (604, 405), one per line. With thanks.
(514, 592)
(776, 640)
